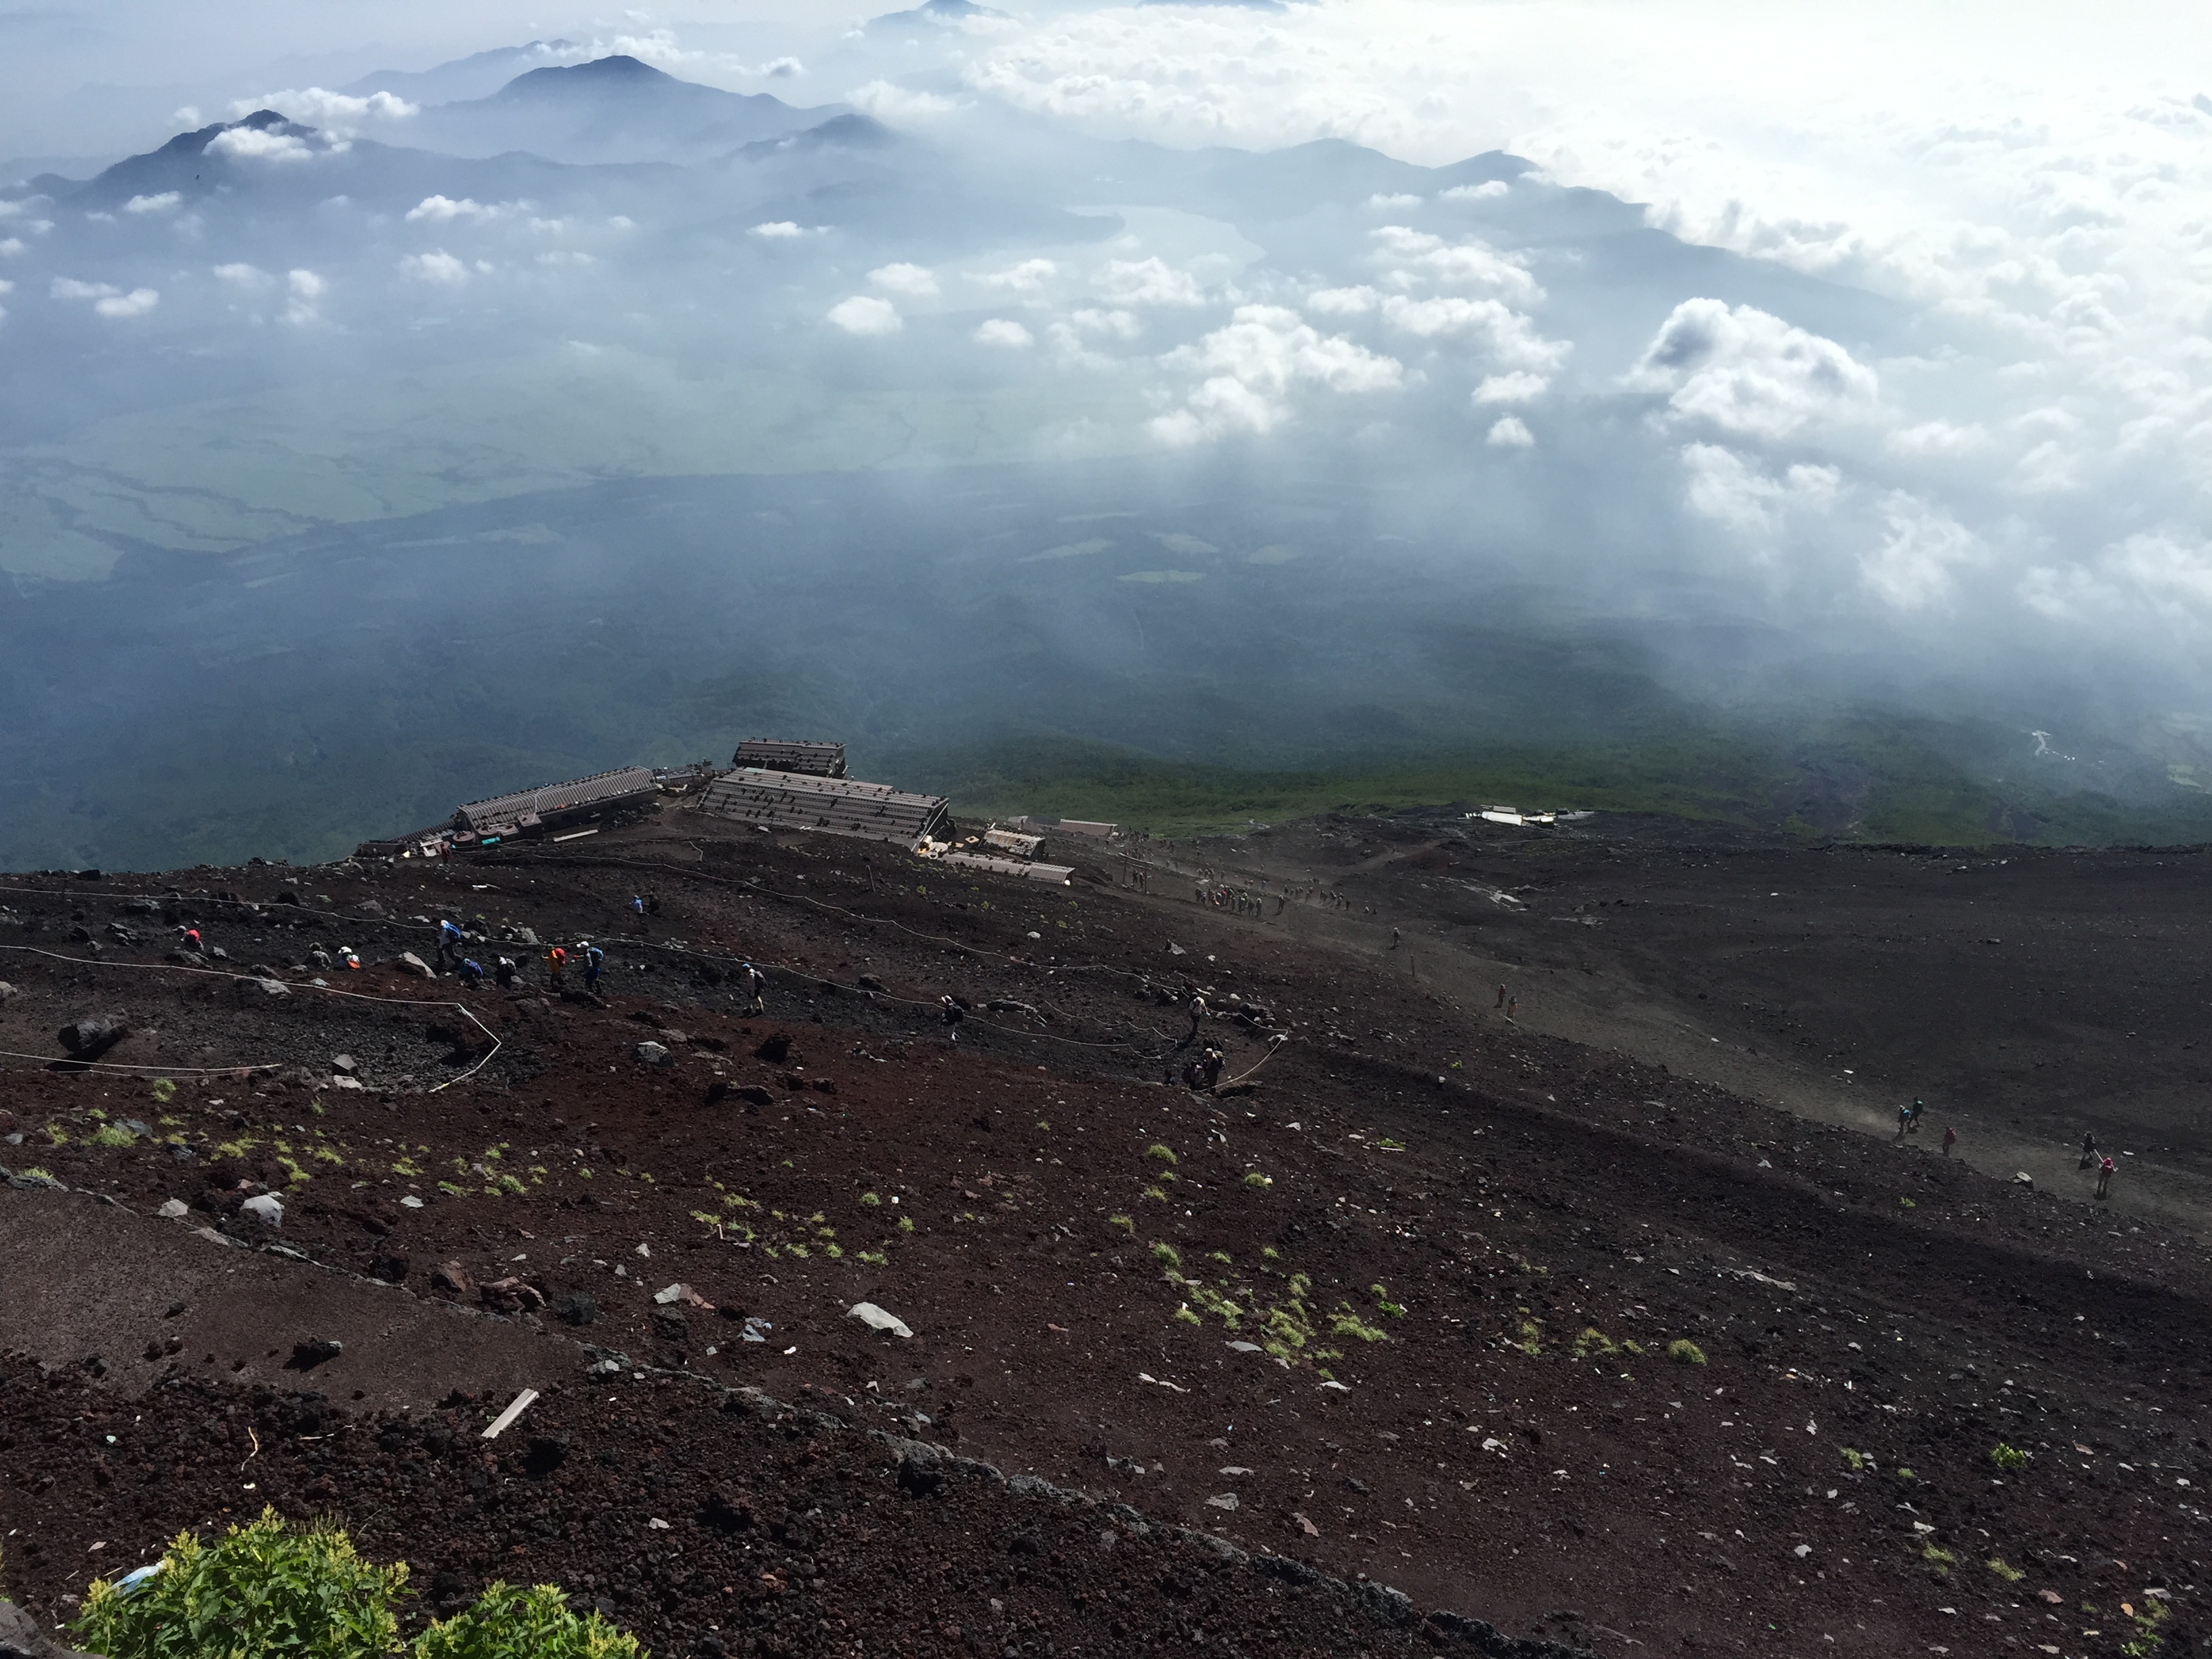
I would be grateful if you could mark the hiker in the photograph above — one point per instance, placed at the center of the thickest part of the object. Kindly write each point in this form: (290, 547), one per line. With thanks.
(637, 904)
(192, 942)
(1918, 1107)
(2088, 1150)
(504, 973)
(752, 979)
(594, 959)
(556, 960)
(1501, 996)
(1904, 1121)
(1512, 1008)
(954, 1013)
(1393, 938)
(1950, 1139)
(2105, 1177)
(1196, 1009)
(1210, 1067)
(449, 942)
(321, 958)
(471, 972)
(346, 959)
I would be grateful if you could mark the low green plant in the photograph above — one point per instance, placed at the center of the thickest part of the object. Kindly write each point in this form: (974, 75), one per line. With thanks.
(1166, 1155)
(164, 1089)
(1999, 1565)
(1222, 1256)
(264, 1588)
(1169, 1254)
(1396, 1309)
(1683, 1351)
(110, 1135)
(1186, 1316)
(1855, 1462)
(906, 1224)
(2009, 1458)
(1269, 1253)
(1941, 1559)
(1122, 1224)
(870, 1199)
(511, 1623)
(1253, 1178)
(1347, 1322)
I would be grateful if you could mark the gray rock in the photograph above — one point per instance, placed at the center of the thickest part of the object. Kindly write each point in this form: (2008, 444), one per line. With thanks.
(1226, 1500)
(342, 1062)
(343, 1082)
(6, 990)
(266, 1208)
(22, 1638)
(652, 1054)
(175, 1210)
(408, 961)
(92, 1035)
(410, 1202)
(877, 1320)
(265, 985)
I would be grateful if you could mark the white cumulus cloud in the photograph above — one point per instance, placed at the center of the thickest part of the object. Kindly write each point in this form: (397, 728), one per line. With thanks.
(1510, 433)
(866, 315)
(1749, 372)
(318, 107)
(1921, 548)
(899, 278)
(1004, 332)
(443, 210)
(259, 144)
(1249, 368)
(1732, 491)
(1029, 276)
(1150, 282)
(164, 203)
(438, 266)
(1519, 387)
(777, 230)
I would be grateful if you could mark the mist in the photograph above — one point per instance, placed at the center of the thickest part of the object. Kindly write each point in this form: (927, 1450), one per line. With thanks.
(386, 421)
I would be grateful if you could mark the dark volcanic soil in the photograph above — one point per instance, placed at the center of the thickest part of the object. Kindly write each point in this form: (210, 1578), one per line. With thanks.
(1402, 1312)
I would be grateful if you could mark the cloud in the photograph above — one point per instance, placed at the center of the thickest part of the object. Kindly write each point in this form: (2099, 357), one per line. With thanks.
(306, 290)
(893, 105)
(1409, 255)
(1519, 387)
(443, 210)
(317, 106)
(1749, 372)
(1005, 332)
(1117, 325)
(1029, 276)
(777, 230)
(1733, 491)
(251, 279)
(1911, 569)
(1511, 433)
(1150, 282)
(1489, 191)
(1250, 367)
(914, 280)
(2166, 572)
(258, 144)
(439, 266)
(165, 203)
(105, 298)
(865, 314)
(1398, 200)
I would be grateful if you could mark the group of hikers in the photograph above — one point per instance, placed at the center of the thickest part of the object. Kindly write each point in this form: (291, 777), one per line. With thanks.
(1908, 1123)
(584, 956)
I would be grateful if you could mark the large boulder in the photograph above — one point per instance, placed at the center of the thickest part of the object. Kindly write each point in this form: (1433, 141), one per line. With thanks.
(22, 1638)
(91, 1036)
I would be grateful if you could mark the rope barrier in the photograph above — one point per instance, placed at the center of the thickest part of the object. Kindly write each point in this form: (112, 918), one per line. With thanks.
(250, 979)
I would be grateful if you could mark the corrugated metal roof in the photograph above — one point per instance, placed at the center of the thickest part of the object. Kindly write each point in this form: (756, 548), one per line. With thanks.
(821, 760)
(837, 806)
(600, 789)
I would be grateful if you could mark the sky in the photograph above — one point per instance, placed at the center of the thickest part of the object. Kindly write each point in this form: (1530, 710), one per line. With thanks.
(2026, 455)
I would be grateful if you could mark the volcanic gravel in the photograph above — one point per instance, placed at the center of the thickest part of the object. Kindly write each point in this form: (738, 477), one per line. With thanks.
(1469, 1246)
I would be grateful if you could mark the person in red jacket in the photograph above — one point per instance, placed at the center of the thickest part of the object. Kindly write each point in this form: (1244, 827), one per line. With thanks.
(2105, 1177)
(1950, 1139)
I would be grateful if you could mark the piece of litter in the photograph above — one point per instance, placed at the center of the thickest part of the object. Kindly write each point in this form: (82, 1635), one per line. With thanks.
(877, 1320)
(1246, 1347)
(515, 1408)
(1159, 1382)
(794, 1349)
(410, 1202)
(1333, 1383)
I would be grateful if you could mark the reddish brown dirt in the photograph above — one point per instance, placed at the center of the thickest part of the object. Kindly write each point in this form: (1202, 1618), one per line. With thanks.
(1532, 1206)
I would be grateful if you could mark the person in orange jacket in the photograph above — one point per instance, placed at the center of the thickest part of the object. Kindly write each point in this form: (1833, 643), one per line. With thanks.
(556, 960)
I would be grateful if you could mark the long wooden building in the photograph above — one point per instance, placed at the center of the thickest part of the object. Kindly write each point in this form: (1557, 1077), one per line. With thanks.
(820, 760)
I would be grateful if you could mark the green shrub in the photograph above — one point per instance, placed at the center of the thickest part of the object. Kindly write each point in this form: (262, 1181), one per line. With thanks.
(1253, 1178)
(1121, 1224)
(2008, 1458)
(1683, 1351)
(2003, 1570)
(1164, 1154)
(264, 1588)
(1855, 1462)
(1169, 1254)
(507, 1622)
